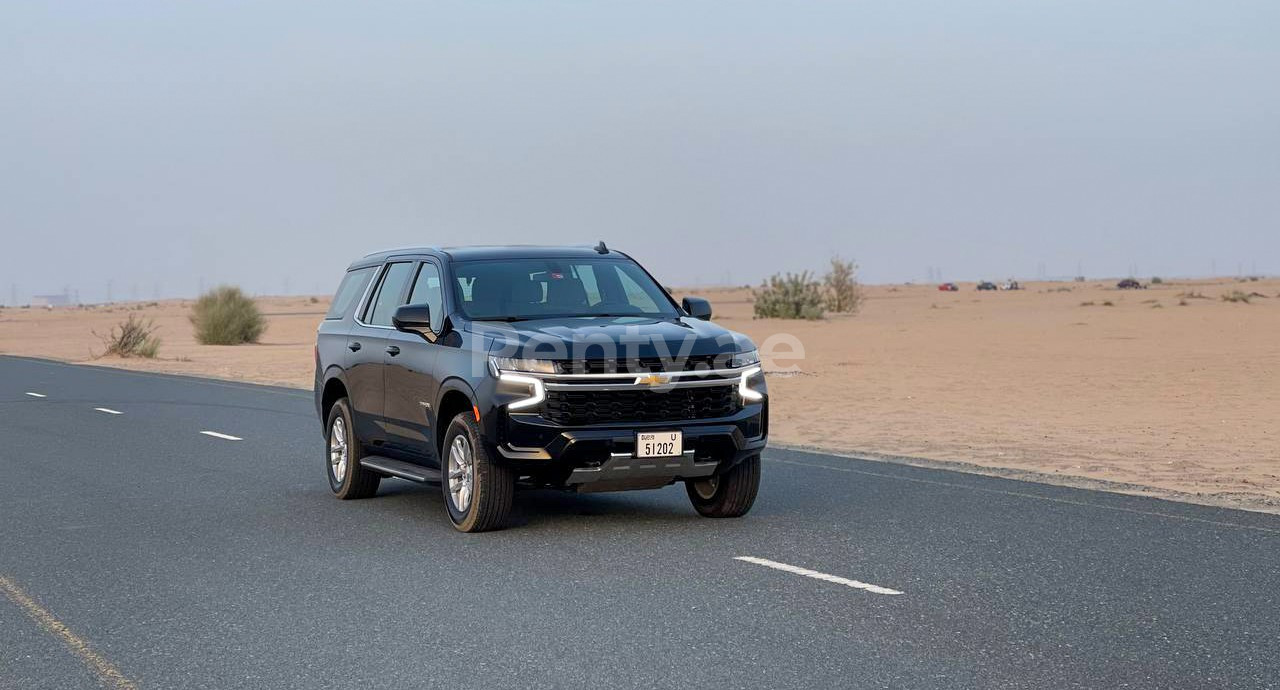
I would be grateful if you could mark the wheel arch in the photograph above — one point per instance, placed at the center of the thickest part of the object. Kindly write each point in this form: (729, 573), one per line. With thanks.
(334, 390)
(455, 397)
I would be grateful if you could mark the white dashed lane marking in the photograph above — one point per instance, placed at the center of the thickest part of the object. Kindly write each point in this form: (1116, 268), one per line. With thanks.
(108, 410)
(226, 437)
(797, 570)
(37, 395)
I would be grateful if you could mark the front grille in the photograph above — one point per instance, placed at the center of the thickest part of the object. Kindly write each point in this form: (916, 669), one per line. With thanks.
(571, 408)
(642, 364)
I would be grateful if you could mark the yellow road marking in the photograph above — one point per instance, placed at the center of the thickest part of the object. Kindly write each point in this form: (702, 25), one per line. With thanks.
(106, 673)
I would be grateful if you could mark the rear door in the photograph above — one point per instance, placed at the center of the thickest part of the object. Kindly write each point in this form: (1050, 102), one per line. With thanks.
(367, 344)
(332, 335)
(411, 382)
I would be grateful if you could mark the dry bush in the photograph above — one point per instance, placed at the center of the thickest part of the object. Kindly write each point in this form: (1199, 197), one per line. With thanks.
(1086, 304)
(844, 295)
(1235, 296)
(226, 316)
(1192, 295)
(132, 337)
(789, 296)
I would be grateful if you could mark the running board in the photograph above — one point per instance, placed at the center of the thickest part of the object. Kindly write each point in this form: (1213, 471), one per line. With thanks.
(401, 469)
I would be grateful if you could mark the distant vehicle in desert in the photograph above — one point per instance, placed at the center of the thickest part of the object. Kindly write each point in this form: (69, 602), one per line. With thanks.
(1011, 285)
(1130, 284)
(949, 287)
(987, 285)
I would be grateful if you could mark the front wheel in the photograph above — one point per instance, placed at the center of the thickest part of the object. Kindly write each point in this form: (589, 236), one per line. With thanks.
(477, 492)
(727, 495)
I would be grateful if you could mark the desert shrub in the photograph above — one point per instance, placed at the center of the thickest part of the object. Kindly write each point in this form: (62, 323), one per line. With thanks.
(132, 337)
(1235, 296)
(314, 300)
(789, 296)
(1086, 304)
(844, 295)
(1192, 295)
(1156, 280)
(226, 316)
(1183, 303)
(1108, 303)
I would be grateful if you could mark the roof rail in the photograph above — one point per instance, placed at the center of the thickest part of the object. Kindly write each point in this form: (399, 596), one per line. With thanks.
(410, 248)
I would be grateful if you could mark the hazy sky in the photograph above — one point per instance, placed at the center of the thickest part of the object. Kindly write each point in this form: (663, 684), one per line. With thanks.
(163, 144)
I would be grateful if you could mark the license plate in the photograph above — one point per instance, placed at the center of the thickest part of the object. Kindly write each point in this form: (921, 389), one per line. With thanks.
(660, 444)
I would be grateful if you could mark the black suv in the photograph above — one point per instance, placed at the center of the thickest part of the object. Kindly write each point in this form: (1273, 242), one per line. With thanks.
(484, 368)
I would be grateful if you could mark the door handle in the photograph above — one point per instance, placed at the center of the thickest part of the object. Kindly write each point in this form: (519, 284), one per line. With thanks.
(354, 346)
(393, 350)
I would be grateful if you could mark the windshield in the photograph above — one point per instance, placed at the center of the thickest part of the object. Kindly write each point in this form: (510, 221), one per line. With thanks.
(521, 289)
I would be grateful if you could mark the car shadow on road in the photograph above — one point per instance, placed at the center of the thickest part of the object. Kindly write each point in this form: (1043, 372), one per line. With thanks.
(545, 507)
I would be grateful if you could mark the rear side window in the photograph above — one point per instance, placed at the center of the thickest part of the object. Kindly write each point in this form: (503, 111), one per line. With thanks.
(349, 291)
(389, 292)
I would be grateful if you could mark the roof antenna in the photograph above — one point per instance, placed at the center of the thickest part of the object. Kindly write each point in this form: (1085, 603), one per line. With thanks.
(601, 249)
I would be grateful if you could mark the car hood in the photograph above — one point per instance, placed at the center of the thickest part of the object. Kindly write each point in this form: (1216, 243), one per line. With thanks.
(592, 337)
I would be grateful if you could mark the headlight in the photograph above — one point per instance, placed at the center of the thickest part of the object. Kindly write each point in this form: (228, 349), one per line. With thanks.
(748, 393)
(743, 359)
(532, 366)
(537, 392)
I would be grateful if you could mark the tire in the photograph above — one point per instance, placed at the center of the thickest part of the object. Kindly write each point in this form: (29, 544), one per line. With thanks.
(728, 495)
(355, 481)
(491, 488)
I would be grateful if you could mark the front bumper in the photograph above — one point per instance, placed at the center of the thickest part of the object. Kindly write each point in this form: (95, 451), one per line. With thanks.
(601, 458)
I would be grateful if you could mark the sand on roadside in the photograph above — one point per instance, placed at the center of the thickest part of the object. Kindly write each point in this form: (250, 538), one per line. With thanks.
(1148, 387)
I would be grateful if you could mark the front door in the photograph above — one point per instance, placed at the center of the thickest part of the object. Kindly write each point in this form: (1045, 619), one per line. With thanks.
(411, 385)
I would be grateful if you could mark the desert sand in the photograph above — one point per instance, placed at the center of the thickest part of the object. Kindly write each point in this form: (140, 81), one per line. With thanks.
(1152, 393)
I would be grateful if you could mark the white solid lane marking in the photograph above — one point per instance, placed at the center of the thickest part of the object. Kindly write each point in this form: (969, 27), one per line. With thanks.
(108, 410)
(227, 437)
(37, 395)
(796, 570)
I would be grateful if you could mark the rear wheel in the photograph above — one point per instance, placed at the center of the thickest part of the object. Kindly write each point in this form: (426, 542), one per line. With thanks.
(347, 478)
(727, 495)
(477, 492)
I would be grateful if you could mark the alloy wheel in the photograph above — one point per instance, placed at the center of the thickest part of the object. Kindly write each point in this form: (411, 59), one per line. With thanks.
(461, 473)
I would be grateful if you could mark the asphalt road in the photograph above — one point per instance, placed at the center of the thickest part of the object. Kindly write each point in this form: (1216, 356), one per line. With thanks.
(136, 551)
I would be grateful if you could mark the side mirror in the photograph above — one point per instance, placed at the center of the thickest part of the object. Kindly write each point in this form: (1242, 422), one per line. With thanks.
(414, 318)
(697, 307)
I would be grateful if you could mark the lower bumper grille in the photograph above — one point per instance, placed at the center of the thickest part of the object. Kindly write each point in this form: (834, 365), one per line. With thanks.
(673, 405)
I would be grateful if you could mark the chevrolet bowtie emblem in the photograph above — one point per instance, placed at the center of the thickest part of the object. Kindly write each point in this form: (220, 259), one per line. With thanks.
(653, 380)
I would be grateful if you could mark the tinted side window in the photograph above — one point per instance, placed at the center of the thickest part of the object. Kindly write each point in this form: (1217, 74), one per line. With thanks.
(349, 291)
(389, 291)
(426, 290)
